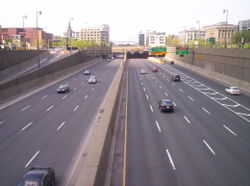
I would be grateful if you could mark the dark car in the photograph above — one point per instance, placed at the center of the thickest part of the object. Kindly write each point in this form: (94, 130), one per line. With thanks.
(176, 77)
(39, 176)
(87, 72)
(154, 69)
(63, 88)
(172, 62)
(166, 105)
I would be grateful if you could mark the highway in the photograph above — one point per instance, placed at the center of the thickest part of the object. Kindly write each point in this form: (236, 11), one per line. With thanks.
(204, 142)
(47, 128)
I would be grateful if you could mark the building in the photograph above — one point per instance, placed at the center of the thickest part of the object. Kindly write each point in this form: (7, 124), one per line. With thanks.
(141, 39)
(29, 36)
(220, 33)
(98, 34)
(76, 35)
(191, 34)
(154, 39)
(244, 25)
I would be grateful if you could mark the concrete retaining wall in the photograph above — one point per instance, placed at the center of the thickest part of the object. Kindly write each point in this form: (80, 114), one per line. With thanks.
(44, 75)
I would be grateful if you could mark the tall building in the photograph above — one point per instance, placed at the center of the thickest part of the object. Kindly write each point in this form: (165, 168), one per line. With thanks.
(154, 39)
(244, 25)
(220, 33)
(99, 34)
(191, 34)
(141, 39)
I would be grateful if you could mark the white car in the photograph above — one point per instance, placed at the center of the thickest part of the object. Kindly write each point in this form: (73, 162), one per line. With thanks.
(143, 71)
(92, 80)
(233, 90)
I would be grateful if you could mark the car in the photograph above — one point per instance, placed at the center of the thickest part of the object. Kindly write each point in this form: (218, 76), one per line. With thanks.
(176, 77)
(154, 69)
(39, 176)
(63, 88)
(87, 72)
(166, 105)
(92, 80)
(172, 62)
(143, 71)
(233, 90)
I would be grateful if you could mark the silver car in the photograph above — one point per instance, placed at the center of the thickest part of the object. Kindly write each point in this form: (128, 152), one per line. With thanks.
(233, 90)
(92, 80)
(63, 88)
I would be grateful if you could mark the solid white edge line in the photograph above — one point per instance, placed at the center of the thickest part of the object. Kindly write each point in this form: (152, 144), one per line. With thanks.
(206, 111)
(58, 128)
(147, 97)
(32, 159)
(229, 130)
(76, 108)
(151, 108)
(209, 147)
(26, 126)
(50, 108)
(158, 126)
(170, 159)
(187, 119)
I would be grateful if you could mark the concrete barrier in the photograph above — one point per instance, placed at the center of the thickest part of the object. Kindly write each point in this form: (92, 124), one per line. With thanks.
(96, 153)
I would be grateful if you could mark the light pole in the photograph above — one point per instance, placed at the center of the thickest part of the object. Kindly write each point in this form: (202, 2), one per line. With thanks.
(70, 34)
(37, 13)
(226, 11)
(24, 17)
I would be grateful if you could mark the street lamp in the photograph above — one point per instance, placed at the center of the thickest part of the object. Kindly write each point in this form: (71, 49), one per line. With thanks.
(70, 34)
(37, 13)
(226, 11)
(24, 17)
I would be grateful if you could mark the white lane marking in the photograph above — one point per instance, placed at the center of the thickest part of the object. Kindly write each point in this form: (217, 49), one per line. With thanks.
(242, 114)
(180, 90)
(168, 79)
(173, 84)
(50, 108)
(93, 89)
(160, 87)
(166, 94)
(74, 89)
(174, 104)
(206, 111)
(170, 159)
(74, 79)
(85, 97)
(44, 97)
(187, 119)
(147, 97)
(209, 147)
(144, 89)
(64, 96)
(141, 83)
(158, 126)
(26, 126)
(58, 128)
(156, 81)
(76, 108)
(25, 108)
(151, 108)
(229, 130)
(190, 98)
(2, 122)
(82, 83)
(32, 159)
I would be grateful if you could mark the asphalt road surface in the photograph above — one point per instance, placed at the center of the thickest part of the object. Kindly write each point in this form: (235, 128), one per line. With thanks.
(48, 128)
(204, 142)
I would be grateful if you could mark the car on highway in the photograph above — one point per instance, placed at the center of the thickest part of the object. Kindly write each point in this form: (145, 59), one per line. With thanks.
(87, 72)
(143, 71)
(154, 69)
(63, 88)
(92, 80)
(39, 176)
(166, 105)
(172, 62)
(233, 90)
(176, 77)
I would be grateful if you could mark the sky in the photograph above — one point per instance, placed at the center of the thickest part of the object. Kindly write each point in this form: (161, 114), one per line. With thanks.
(126, 18)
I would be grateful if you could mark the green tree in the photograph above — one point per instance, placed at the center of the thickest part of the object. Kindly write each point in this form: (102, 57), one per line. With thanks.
(172, 40)
(241, 38)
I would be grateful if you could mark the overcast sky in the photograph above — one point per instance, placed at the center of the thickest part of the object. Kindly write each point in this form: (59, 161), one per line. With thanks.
(125, 17)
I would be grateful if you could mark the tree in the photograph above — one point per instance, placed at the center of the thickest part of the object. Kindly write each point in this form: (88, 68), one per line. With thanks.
(172, 40)
(241, 38)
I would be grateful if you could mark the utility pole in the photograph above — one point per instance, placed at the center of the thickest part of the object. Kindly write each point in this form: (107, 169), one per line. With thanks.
(24, 17)
(226, 35)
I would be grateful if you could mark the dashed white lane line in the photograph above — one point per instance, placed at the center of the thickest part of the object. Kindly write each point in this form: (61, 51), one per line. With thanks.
(64, 96)
(82, 83)
(206, 111)
(74, 89)
(151, 108)
(32, 159)
(93, 89)
(74, 79)
(160, 87)
(167, 79)
(142, 83)
(180, 90)
(185, 117)
(2, 122)
(174, 104)
(166, 94)
(23, 109)
(26, 126)
(170, 159)
(76, 108)
(144, 89)
(209, 147)
(192, 99)
(230, 130)
(50, 108)
(173, 84)
(58, 128)
(158, 126)
(85, 97)
(147, 97)
(44, 97)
